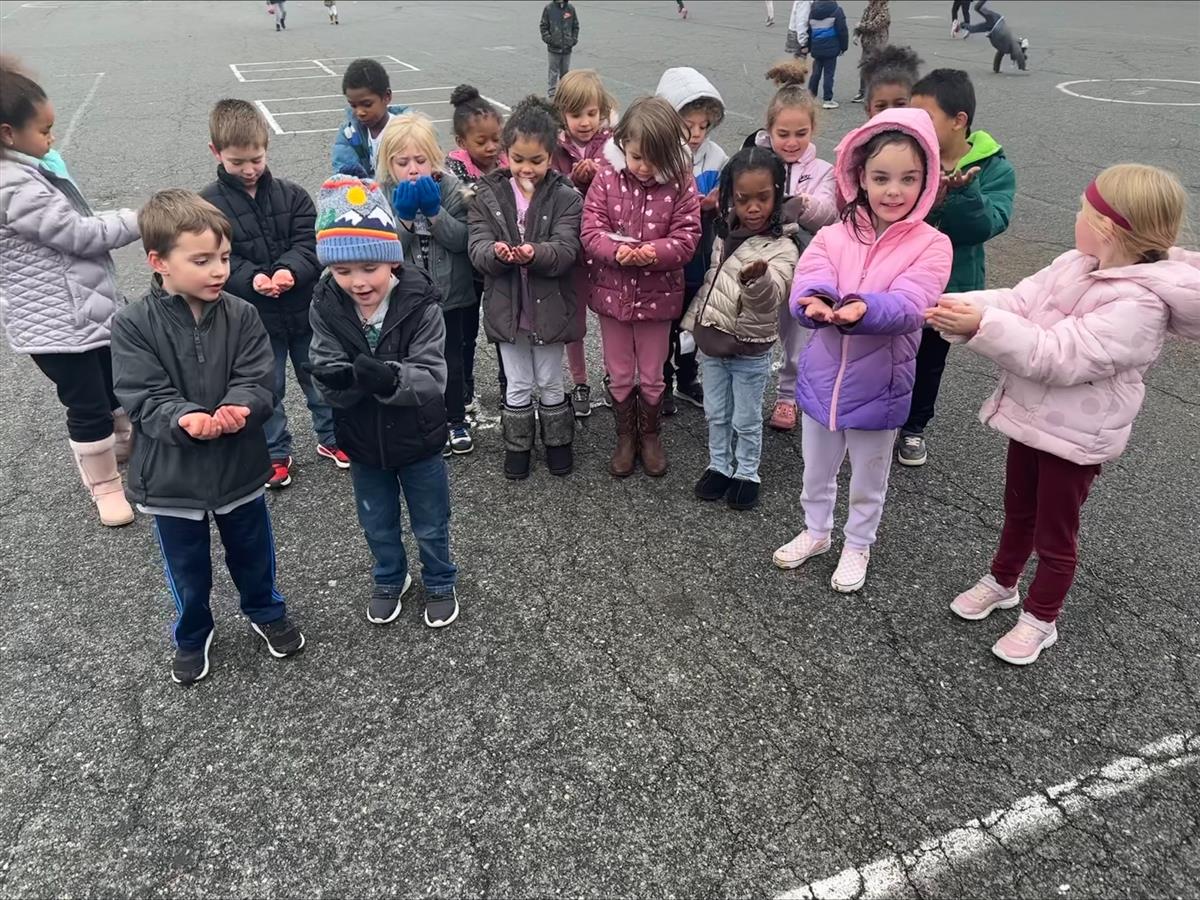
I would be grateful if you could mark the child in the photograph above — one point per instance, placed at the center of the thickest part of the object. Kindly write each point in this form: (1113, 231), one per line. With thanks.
(889, 75)
(58, 288)
(278, 10)
(863, 284)
(735, 320)
(477, 125)
(273, 265)
(331, 6)
(809, 201)
(1074, 341)
(525, 239)
(702, 110)
(827, 40)
(979, 184)
(872, 32)
(641, 224)
(377, 354)
(368, 91)
(192, 364)
(586, 108)
(999, 34)
(797, 33)
(560, 34)
(431, 206)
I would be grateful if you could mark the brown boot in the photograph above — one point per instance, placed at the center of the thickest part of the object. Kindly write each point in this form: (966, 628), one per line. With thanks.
(98, 467)
(624, 457)
(650, 448)
(122, 435)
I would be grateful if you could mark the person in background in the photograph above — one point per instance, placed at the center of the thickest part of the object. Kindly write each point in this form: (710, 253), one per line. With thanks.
(1000, 35)
(797, 33)
(827, 40)
(331, 8)
(278, 10)
(872, 33)
(889, 75)
(560, 34)
(368, 91)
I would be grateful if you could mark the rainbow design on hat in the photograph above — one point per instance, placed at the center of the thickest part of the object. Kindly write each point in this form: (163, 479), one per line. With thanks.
(355, 223)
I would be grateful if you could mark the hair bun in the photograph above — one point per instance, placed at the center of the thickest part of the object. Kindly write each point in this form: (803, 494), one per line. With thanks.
(788, 73)
(464, 93)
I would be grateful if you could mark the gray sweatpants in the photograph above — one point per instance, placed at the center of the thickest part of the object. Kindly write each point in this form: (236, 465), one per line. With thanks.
(560, 65)
(528, 366)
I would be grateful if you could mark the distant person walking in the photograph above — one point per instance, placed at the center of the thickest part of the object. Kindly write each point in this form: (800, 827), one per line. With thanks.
(682, 9)
(331, 7)
(560, 33)
(278, 8)
(827, 40)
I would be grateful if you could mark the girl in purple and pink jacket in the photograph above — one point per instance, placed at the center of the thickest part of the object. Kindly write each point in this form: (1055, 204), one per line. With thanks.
(863, 286)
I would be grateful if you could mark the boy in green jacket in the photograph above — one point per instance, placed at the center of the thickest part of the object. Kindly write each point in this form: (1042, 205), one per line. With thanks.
(978, 184)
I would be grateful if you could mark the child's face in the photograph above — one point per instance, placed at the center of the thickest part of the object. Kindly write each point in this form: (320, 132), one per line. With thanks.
(791, 133)
(638, 165)
(197, 266)
(246, 163)
(949, 128)
(409, 164)
(892, 179)
(370, 109)
(1087, 240)
(886, 96)
(529, 161)
(35, 137)
(753, 199)
(367, 283)
(482, 142)
(583, 125)
(698, 127)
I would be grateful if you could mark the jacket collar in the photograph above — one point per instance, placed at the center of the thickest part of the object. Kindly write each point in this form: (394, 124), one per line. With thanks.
(590, 149)
(177, 305)
(983, 146)
(615, 157)
(473, 171)
(234, 182)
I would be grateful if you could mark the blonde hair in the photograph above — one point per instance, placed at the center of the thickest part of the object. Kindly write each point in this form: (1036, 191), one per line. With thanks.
(660, 134)
(410, 128)
(237, 123)
(793, 93)
(1153, 202)
(581, 88)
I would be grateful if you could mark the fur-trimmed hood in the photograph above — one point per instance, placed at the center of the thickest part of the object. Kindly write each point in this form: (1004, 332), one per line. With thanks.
(615, 157)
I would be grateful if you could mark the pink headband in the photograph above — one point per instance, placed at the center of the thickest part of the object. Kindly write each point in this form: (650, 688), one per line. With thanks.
(1101, 206)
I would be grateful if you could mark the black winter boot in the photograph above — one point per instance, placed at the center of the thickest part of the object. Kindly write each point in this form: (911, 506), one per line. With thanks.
(558, 434)
(518, 428)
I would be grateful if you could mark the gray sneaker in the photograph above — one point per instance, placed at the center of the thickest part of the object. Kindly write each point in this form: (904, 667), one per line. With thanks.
(441, 609)
(581, 401)
(911, 450)
(385, 604)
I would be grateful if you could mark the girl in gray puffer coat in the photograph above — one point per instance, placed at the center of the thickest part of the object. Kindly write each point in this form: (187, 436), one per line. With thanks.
(58, 288)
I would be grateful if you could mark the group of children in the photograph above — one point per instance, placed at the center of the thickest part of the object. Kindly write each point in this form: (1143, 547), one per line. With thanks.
(376, 291)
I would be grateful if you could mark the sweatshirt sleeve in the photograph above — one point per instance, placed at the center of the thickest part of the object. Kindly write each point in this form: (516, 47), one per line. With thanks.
(901, 308)
(981, 210)
(142, 385)
(43, 215)
(421, 375)
(300, 258)
(559, 255)
(679, 246)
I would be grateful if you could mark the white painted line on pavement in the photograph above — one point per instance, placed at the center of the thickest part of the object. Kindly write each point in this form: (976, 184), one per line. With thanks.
(75, 119)
(495, 102)
(241, 71)
(1030, 817)
(330, 96)
(1064, 87)
(274, 115)
(262, 107)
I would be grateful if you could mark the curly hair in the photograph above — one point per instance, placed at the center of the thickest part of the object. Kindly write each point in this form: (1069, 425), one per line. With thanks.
(751, 159)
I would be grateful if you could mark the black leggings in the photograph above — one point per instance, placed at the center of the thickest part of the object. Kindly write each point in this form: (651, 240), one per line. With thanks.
(963, 6)
(85, 387)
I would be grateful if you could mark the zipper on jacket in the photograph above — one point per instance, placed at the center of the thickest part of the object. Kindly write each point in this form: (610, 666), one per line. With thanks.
(845, 344)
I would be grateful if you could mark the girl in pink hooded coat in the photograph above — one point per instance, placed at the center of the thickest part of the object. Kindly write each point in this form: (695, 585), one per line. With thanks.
(1074, 342)
(863, 285)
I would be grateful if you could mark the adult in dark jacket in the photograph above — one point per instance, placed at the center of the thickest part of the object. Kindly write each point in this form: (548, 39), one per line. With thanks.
(827, 40)
(560, 34)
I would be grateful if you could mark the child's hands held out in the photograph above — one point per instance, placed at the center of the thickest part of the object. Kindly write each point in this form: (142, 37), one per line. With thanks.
(263, 284)
(405, 200)
(231, 418)
(818, 308)
(752, 271)
(338, 376)
(624, 255)
(953, 317)
(645, 255)
(849, 313)
(283, 280)
(709, 201)
(954, 181)
(584, 171)
(795, 207)
(523, 255)
(504, 253)
(201, 426)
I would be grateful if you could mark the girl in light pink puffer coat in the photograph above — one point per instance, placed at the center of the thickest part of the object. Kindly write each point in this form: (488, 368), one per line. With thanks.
(1074, 342)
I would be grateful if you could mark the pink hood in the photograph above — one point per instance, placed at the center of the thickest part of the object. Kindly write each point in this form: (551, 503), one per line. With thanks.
(915, 122)
(1176, 281)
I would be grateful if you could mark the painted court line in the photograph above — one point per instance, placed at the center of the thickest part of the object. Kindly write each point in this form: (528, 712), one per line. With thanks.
(1065, 87)
(247, 72)
(78, 115)
(901, 875)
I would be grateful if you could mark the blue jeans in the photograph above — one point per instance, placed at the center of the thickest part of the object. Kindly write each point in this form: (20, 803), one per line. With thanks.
(733, 398)
(822, 65)
(279, 440)
(427, 492)
(187, 562)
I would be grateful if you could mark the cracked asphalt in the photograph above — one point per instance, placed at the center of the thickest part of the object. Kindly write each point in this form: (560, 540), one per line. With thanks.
(634, 702)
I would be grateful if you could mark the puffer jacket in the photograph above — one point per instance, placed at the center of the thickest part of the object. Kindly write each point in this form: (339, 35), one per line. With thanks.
(747, 312)
(861, 376)
(568, 153)
(552, 227)
(58, 287)
(663, 215)
(827, 34)
(351, 154)
(447, 262)
(1075, 343)
(808, 175)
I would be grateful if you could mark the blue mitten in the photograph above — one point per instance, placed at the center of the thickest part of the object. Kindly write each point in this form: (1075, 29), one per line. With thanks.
(405, 199)
(429, 196)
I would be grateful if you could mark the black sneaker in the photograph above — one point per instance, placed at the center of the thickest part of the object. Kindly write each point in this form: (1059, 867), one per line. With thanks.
(189, 666)
(712, 485)
(385, 603)
(692, 392)
(606, 398)
(441, 609)
(742, 494)
(858, 98)
(282, 636)
(668, 404)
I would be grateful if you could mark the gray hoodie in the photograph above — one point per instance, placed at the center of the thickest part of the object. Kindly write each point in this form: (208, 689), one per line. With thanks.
(679, 87)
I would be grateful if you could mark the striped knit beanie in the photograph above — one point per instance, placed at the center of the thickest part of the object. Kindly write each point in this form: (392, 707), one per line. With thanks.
(355, 223)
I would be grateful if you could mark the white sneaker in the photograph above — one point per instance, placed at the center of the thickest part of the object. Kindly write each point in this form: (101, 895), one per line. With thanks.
(831, 104)
(799, 550)
(1026, 641)
(978, 601)
(851, 572)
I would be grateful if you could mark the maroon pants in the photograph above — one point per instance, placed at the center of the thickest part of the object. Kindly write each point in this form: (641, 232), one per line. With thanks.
(1043, 495)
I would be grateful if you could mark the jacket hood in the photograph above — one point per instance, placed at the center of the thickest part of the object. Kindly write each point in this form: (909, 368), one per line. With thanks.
(615, 157)
(823, 8)
(914, 122)
(681, 86)
(1176, 281)
(983, 146)
(473, 171)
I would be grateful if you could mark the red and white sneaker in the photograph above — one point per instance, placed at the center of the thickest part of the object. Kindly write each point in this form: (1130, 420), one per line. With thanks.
(281, 473)
(340, 459)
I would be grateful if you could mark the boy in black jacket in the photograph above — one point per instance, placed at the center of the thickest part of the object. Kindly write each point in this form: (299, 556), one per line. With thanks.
(192, 367)
(378, 354)
(560, 34)
(273, 266)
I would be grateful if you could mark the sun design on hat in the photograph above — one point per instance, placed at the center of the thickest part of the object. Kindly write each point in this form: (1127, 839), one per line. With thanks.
(356, 196)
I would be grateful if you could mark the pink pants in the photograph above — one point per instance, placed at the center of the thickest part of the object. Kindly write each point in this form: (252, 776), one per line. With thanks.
(635, 351)
(577, 362)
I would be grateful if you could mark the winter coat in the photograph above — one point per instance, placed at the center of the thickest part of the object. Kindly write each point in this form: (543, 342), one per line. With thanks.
(552, 227)
(461, 166)
(409, 425)
(663, 215)
(808, 175)
(975, 214)
(1074, 343)
(750, 313)
(873, 27)
(560, 26)
(568, 153)
(167, 365)
(274, 229)
(797, 33)
(827, 34)
(351, 153)
(861, 376)
(58, 286)
(447, 263)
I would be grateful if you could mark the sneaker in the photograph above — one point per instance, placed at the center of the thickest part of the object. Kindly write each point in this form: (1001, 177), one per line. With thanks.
(581, 400)
(712, 485)
(955, 28)
(1026, 641)
(441, 609)
(770, 22)
(386, 602)
(281, 473)
(460, 440)
(282, 636)
(1024, 43)
(783, 416)
(683, 12)
(858, 98)
(329, 451)
(911, 451)
(851, 571)
(978, 601)
(447, 451)
(799, 550)
(472, 404)
(692, 392)
(830, 104)
(668, 404)
(189, 666)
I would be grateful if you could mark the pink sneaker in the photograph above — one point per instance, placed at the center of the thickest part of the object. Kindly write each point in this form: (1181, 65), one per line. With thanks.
(783, 416)
(978, 601)
(799, 550)
(1026, 641)
(851, 572)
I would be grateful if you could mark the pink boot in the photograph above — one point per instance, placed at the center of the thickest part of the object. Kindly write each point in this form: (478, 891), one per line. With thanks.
(97, 461)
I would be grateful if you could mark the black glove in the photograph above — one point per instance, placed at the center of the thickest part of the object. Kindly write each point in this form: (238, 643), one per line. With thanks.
(374, 376)
(339, 376)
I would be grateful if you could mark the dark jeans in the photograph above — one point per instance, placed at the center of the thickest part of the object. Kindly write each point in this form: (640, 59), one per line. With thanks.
(456, 411)
(1043, 495)
(822, 65)
(470, 337)
(294, 342)
(963, 7)
(426, 490)
(84, 385)
(187, 561)
(931, 363)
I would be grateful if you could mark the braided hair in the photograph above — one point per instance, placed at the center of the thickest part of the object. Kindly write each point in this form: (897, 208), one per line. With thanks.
(751, 159)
